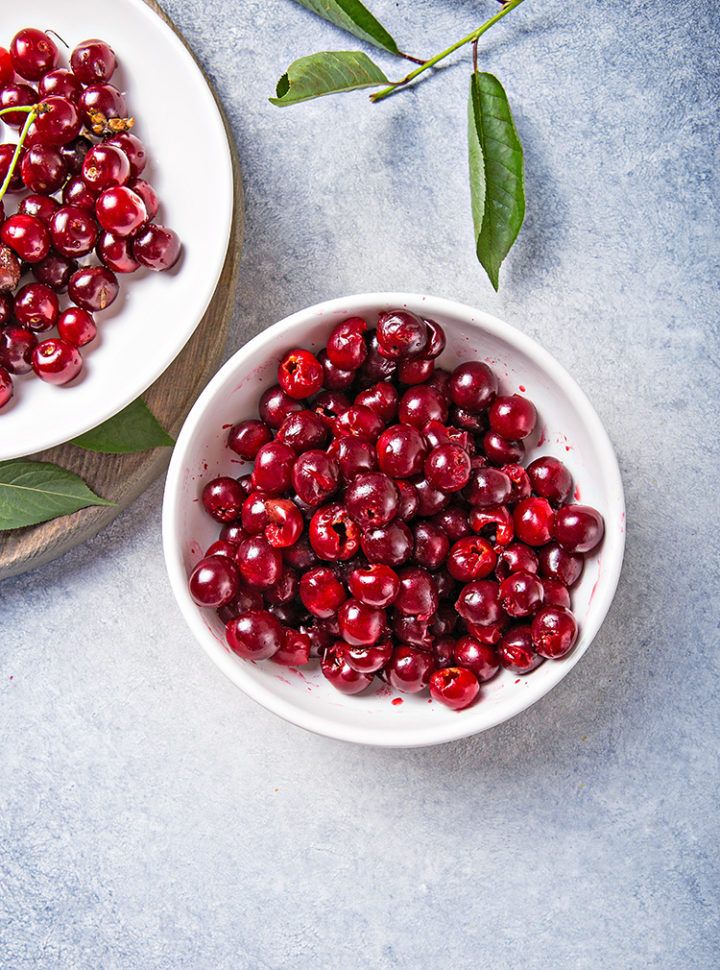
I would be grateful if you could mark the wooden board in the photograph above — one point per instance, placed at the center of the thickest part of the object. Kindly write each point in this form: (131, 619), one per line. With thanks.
(122, 478)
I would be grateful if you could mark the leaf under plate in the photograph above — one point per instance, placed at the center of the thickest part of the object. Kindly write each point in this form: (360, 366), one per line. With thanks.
(327, 72)
(135, 428)
(354, 17)
(35, 491)
(496, 172)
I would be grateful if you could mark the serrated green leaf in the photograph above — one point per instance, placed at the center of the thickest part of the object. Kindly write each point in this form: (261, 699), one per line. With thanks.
(496, 172)
(355, 18)
(135, 428)
(36, 491)
(327, 72)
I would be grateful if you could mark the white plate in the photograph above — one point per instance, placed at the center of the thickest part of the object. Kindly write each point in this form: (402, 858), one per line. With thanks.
(190, 167)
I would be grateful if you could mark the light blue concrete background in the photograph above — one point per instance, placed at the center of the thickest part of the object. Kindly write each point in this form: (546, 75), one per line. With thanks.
(153, 817)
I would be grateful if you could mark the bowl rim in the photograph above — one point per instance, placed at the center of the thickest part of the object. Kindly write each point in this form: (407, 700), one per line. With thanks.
(368, 733)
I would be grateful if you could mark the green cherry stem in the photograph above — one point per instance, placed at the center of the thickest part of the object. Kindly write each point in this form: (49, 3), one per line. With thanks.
(471, 38)
(32, 115)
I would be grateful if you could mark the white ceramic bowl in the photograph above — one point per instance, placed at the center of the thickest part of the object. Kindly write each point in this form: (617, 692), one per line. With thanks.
(568, 428)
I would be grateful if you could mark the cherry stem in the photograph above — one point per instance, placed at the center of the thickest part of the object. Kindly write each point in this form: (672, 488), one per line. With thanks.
(21, 107)
(470, 39)
(32, 115)
(415, 60)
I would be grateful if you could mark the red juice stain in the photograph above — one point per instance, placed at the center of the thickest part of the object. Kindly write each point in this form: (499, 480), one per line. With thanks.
(517, 681)
(576, 493)
(396, 701)
(225, 427)
(522, 387)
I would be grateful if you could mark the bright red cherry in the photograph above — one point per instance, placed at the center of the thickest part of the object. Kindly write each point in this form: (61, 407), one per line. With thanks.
(27, 236)
(36, 307)
(157, 247)
(578, 528)
(455, 687)
(133, 148)
(376, 585)
(120, 211)
(534, 520)
(321, 592)
(33, 53)
(300, 374)
(341, 675)
(104, 166)
(73, 230)
(512, 417)
(409, 669)
(56, 360)
(473, 386)
(93, 287)
(93, 61)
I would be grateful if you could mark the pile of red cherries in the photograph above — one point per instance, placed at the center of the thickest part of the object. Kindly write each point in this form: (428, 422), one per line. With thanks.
(388, 526)
(78, 170)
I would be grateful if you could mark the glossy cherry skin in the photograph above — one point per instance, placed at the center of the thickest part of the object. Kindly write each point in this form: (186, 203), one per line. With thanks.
(335, 379)
(512, 417)
(431, 545)
(550, 479)
(358, 422)
(303, 431)
(333, 534)
(375, 585)
(255, 635)
(315, 477)
(471, 558)
(16, 95)
(375, 367)
(346, 346)
(7, 68)
(500, 451)
(422, 404)
(341, 675)
(381, 398)
(409, 669)
(214, 581)
(321, 592)
(42, 207)
(556, 563)
(453, 522)
(135, 151)
(42, 169)
(554, 632)
(247, 437)
(93, 61)
(436, 341)
(455, 687)
(514, 558)
(120, 211)
(401, 334)
(33, 53)
(55, 271)
(447, 468)
(488, 486)
(260, 564)
(479, 602)
(36, 306)
(418, 595)
(517, 651)
(478, 657)
(371, 500)
(391, 545)
(275, 405)
(104, 166)
(415, 371)
(60, 83)
(413, 631)
(93, 287)
(521, 594)
(473, 386)
(408, 501)
(73, 154)
(76, 193)
(222, 498)
(534, 521)
(520, 482)
(115, 252)
(300, 374)
(366, 660)
(295, 649)
(16, 347)
(157, 247)
(578, 528)
(361, 625)
(555, 593)
(353, 456)
(273, 468)
(285, 590)
(57, 124)
(6, 387)
(401, 451)
(103, 98)
(56, 361)
(27, 236)
(73, 230)
(301, 555)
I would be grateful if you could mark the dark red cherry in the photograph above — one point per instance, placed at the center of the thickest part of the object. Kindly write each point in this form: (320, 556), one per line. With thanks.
(516, 650)
(371, 499)
(321, 593)
(375, 585)
(33, 53)
(554, 632)
(473, 386)
(93, 61)
(214, 581)
(534, 521)
(341, 675)
(361, 625)
(550, 479)
(315, 477)
(480, 658)
(409, 669)
(247, 437)
(156, 247)
(255, 635)
(222, 498)
(401, 334)
(333, 534)
(578, 528)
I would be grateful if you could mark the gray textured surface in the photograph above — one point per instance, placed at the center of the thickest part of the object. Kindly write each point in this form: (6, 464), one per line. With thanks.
(153, 817)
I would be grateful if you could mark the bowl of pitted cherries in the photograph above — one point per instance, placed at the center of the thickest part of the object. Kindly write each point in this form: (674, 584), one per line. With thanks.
(394, 519)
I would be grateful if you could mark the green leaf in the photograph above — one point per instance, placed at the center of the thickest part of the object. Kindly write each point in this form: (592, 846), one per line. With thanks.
(328, 72)
(135, 428)
(35, 491)
(353, 16)
(496, 172)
